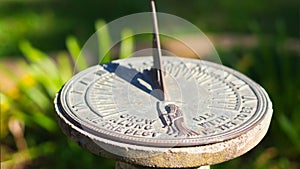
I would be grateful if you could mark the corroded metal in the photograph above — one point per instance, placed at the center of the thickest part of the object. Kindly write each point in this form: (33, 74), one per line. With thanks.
(212, 114)
(117, 101)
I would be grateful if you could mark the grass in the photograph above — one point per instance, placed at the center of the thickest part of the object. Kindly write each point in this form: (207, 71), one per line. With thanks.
(31, 138)
(47, 23)
(277, 70)
(30, 135)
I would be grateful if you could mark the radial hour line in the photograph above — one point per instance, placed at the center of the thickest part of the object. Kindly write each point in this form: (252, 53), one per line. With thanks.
(157, 63)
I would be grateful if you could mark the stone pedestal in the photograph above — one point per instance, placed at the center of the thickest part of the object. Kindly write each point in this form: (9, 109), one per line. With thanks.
(214, 114)
(122, 165)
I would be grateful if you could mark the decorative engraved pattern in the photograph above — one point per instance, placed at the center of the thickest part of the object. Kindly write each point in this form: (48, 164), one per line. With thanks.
(208, 102)
(173, 120)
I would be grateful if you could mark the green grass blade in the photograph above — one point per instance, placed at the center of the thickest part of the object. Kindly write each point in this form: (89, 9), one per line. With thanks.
(44, 121)
(32, 54)
(37, 96)
(289, 129)
(75, 51)
(50, 85)
(45, 65)
(38, 57)
(127, 44)
(64, 66)
(104, 41)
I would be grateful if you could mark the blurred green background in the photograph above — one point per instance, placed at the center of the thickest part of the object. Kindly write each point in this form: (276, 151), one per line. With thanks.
(257, 37)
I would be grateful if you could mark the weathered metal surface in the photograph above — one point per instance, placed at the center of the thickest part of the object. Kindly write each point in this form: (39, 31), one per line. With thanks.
(212, 114)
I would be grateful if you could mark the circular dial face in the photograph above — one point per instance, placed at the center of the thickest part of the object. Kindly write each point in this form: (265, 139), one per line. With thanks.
(206, 102)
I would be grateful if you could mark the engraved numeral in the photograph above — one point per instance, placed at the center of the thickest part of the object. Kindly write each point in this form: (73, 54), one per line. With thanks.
(79, 106)
(75, 92)
(100, 72)
(246, 110)
(247, 98)
(83, 82)
(238, 84)
(203, 79)
(94, 119)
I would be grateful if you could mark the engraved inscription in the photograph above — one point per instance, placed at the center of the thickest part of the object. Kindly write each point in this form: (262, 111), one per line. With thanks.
(244, 113)
(132, 125)
(204, 117)
(214, 122)
(206, 103)
(227, 125)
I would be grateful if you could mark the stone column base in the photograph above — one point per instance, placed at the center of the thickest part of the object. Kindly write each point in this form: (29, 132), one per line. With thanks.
(122, 165)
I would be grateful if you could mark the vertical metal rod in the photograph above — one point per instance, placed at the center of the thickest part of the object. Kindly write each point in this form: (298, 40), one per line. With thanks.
(157, 63)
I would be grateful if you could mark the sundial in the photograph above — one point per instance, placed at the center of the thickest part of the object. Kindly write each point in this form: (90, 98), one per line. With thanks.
(164, 111)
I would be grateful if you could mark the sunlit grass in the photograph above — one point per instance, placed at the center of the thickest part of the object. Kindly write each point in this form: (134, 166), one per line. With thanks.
(30, 135)
(29, 130)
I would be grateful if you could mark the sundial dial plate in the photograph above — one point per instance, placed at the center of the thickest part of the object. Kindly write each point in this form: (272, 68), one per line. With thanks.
(163, 112)
(207, 103)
